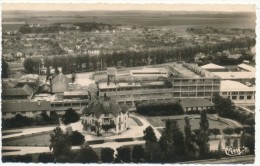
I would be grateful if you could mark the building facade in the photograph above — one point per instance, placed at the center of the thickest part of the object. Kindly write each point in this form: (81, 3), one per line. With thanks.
(104, 116)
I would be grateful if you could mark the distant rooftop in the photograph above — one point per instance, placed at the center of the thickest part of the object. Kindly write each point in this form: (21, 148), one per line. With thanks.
(212, 66)
(247, 67)
(187, 70)
(228, 85)
(235, 75)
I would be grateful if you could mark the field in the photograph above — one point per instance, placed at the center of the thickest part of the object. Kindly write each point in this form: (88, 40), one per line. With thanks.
(157, 122)
(141, 18)
(34, 140)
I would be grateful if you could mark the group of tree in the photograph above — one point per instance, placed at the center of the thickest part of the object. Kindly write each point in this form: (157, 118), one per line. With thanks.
(21, 121)
(176, 146)
(166, 108)
(225, 108)
(128, 58)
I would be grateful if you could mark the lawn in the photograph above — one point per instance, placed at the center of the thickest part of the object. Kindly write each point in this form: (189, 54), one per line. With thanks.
(195, 124)
(33, 140)
(137, 121)
(155, 122)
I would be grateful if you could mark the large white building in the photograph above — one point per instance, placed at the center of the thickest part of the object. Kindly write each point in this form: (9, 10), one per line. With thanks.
(178, 80)
(239, 93)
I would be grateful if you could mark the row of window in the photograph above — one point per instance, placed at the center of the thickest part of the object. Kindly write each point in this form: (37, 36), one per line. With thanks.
(240, 97)
(236, 93)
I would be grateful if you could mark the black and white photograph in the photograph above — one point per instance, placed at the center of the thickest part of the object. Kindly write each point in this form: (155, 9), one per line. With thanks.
(128, 83)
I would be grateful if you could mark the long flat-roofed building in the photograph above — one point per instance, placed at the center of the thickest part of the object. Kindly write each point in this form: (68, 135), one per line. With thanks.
(175, 81)
(189, 80)
(239, 93)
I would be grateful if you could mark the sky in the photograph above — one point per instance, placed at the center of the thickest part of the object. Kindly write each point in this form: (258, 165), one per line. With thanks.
(152, 7)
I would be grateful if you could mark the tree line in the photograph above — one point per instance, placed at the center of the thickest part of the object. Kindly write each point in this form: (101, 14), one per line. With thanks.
(80, 62)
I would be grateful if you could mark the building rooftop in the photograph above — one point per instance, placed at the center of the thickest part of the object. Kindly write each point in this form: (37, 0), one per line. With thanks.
(103, 85)
(235, 75)
(18, 91)
(212, 66)
(104, 105)
(29, 77)
(196, 102)
(128, 85)
(247, 67)
(187, 70)
(25, 106)
(76, 93)
(228, 85)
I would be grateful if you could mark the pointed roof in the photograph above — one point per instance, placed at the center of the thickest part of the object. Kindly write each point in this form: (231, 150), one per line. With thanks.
(104, 105)
(212, 66)
(18, 91)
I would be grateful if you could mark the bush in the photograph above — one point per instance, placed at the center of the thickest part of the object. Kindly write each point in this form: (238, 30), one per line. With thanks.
(70, 116)
(107, 155)
(76, 138)
(46, 158)
(124, 154)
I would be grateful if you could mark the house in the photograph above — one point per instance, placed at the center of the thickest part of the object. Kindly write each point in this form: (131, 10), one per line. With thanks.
(32, 80)
(26, 108)
(105, 116)
(24, 92)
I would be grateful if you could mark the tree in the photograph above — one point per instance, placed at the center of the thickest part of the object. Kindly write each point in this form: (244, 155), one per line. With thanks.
(29, 65)
(215, 131)
(123, 154)
(27, 158)
(203, 136)
(70, 116)
(5, 67)
(138, 153)
(149, 135)
(46, 158)
(59, 143)
(224, 106)
(187, 132)
(243, 138)
(228, 142)
(107, 155)
(237, 130)
(172, 141)
(154, 153)
(220, 149)
(250, 143)
(235, 143)
(86, 155)
(76, 138)
(45, 116)
(228, 130)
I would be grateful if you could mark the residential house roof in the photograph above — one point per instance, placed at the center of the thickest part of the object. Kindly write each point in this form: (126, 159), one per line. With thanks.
(18, 91)
(247, 67)
(104, 105)
(60, 83)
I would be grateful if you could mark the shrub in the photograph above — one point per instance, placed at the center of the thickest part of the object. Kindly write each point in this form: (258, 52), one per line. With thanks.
(107, 155)
(76, 138)
(70, 116)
